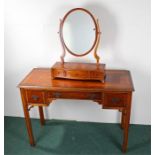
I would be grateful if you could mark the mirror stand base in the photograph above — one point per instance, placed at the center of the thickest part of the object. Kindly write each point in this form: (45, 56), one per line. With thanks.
(78, 71)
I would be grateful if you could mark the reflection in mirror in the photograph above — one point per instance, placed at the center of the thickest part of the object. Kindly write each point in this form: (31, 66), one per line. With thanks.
(79, 32)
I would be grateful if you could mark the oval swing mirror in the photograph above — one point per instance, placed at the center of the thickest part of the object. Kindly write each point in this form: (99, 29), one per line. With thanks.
(79, 31)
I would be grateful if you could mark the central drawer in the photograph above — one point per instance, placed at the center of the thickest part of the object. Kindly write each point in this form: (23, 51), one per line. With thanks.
(74, 95)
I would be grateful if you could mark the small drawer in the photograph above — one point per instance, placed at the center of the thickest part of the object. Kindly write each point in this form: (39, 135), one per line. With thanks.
(78, 74)
(115, 99)
(35, 96)
(96, 75)
(59, 73)
(74, 95)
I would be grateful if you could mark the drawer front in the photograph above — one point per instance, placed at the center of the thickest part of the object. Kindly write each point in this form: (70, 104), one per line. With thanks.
(96, 75)
(115, 99)
(59, 73)
(78, 74)
(74, 95)
(35, 96)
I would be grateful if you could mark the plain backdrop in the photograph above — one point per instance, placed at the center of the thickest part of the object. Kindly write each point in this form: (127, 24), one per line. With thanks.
(31, 40)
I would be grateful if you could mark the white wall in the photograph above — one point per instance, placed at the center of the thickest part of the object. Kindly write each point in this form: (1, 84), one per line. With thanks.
(31, 40)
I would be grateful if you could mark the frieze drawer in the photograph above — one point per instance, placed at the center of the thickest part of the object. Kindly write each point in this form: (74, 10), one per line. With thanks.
(74, 95)
(34, 96)
(115, 99)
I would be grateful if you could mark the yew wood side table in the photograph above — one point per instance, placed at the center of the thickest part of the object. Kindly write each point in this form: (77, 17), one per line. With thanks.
(39, 89)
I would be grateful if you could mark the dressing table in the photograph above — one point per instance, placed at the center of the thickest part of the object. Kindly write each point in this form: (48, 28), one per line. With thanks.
(111, 89)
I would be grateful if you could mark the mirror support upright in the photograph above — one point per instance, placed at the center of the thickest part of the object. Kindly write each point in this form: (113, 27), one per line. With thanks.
(62, 44)
(97, 42)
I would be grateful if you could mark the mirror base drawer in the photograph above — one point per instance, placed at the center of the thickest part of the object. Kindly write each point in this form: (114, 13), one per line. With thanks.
(78, 71)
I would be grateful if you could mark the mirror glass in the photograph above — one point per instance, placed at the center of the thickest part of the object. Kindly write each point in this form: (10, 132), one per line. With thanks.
(79, 32)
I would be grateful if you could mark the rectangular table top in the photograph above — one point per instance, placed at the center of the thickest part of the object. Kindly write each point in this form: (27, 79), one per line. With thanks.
(40, 78)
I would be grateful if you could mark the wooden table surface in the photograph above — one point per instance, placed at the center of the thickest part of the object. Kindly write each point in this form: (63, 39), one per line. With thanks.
(119, 80)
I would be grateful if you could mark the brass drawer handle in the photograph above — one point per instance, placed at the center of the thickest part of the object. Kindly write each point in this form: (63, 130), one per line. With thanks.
(116, 100)
(92, 96)
(35, 97)
(57, 94)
